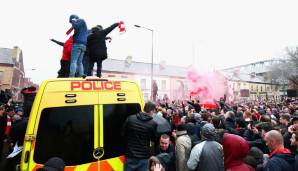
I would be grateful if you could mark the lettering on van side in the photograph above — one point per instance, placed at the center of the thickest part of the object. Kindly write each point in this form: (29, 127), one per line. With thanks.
(95, 85)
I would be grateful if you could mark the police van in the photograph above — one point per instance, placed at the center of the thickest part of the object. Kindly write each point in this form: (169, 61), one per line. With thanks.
(80, 120)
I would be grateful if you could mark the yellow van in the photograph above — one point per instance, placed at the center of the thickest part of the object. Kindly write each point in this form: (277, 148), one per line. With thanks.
(80, 120)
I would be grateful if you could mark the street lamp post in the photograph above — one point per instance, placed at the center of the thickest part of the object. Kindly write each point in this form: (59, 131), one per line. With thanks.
(151, 74)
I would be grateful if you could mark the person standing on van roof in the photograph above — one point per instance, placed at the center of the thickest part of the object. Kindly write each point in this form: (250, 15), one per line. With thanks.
(97, 48)
(65, 60)
(79, 44)
(139, 132)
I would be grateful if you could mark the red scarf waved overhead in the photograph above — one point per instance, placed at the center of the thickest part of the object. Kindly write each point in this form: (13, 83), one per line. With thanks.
(121, 27)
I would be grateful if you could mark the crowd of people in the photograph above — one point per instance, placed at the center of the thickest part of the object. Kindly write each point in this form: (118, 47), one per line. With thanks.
(185, 136)
(13, 124)
(257, 135)
(84, 48)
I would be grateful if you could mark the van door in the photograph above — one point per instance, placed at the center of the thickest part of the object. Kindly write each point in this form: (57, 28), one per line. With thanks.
(63, 124)
(114, 117)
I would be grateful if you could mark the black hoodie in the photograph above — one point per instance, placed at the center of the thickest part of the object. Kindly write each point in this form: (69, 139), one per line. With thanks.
(139, 130)
(97, 42)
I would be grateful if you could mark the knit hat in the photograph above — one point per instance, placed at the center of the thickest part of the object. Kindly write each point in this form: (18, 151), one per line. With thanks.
(73, 16)
(54, 164)
(162, 158)
(256, 153)
(181, 130)
(208, 131)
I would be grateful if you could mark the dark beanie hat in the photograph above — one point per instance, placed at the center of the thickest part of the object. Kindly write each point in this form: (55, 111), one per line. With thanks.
(181, 127)
(181, 130)
(54, 164)
(164, 160)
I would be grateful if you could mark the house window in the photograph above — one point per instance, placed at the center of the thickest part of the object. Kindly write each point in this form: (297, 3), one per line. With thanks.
(163, 84)
(261, 88)
(251, 88)
(143, 83)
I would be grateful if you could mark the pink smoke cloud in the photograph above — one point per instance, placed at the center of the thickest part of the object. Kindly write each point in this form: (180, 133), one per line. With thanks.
(206, 86)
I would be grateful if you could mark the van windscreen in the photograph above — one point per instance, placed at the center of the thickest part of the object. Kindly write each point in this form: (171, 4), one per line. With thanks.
(66, 132)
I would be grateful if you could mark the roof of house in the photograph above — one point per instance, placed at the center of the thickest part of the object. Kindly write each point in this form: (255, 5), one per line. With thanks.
(115, 65)
(6, 56)
(256, 67)
(143, 68)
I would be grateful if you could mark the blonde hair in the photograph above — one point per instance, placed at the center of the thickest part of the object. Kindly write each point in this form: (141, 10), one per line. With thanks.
(247, 114)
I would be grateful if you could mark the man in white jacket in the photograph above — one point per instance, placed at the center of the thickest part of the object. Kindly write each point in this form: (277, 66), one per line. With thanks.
(183, 148)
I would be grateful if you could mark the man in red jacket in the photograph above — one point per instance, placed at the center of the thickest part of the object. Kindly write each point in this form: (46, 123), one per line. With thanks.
(281, 159)
(65, 61)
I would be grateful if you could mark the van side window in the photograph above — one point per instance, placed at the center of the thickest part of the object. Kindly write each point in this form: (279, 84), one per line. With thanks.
(66, 132)
(114, 118)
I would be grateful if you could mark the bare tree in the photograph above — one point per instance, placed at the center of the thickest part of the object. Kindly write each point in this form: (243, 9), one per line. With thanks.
(279, 72)
(285, 71)
(292, 56)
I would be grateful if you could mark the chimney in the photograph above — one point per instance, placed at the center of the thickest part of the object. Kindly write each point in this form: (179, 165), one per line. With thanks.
(15, 53)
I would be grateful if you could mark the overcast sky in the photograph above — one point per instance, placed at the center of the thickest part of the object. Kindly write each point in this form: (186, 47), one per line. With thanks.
(210, 34)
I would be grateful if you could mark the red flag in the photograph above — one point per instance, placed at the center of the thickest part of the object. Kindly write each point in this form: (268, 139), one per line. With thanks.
(69, 31)
(121, 27)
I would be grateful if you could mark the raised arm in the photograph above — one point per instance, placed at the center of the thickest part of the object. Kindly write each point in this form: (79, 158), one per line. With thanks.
(56, 41)
(111, 28)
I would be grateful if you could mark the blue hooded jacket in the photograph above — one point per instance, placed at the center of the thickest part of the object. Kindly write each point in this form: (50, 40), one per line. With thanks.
(80, 30)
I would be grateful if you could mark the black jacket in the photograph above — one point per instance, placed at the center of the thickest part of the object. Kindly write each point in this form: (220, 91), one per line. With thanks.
(139, 130)
(2, 127)
(230, 123)
(96, 43)
(196, 106)
(18, 131)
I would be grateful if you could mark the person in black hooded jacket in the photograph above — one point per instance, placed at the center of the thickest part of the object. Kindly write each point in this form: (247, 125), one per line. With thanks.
(97, 48)
(139, 132)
